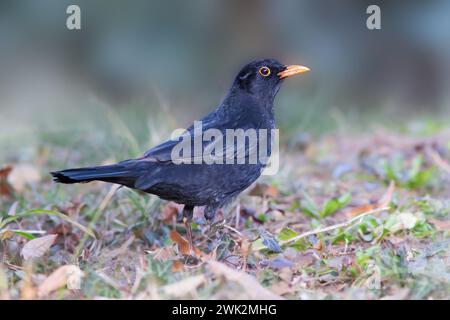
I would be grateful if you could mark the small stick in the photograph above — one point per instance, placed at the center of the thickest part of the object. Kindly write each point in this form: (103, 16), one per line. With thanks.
(333, 227)
(238, 215)
(441, 163)
(108, 197)
(234, 230)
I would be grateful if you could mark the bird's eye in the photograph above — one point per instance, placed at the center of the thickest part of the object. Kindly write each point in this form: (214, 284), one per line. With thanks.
(264, 71)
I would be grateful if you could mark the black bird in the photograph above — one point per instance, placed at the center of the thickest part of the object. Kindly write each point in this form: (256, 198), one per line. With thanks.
(248, 105)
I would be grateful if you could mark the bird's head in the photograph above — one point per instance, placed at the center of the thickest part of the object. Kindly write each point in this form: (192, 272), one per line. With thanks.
(263, 78)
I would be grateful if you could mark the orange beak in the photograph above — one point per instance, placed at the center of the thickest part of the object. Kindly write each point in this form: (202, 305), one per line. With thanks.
(292, 70)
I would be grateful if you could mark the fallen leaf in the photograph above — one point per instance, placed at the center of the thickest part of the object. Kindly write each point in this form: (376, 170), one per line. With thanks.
(269, 241)
(37, 247)
(5, 188)
(22, 175)
(401, 221)
(408, 220)
(264, 190)
(361, 209)
(170, 211)
(68, 275)
(384, 201)
(6, 234)
(61, 229)
(277, 263)
(253, 289)
(177, 266)
(183, 244)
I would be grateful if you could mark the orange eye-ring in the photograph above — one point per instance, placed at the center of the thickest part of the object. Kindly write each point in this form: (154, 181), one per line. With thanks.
(264, 71)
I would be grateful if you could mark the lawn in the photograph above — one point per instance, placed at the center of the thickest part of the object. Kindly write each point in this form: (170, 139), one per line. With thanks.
(350, 215)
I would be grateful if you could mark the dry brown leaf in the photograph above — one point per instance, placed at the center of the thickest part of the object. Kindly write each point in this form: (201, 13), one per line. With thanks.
(37, 247)
(185, 286)
(6, 234)
(383, 202)
(68, 275)
(177, 266)
(249, 284)
(170, 211)
(264, 190)
(22, 175)
(5, 188)
(361, 209)
(183, 244)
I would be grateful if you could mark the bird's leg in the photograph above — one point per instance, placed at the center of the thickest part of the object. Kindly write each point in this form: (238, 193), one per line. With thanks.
(209, 213)
(188, 212)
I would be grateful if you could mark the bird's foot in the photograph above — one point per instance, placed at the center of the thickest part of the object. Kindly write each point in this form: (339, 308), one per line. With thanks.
(188, 227)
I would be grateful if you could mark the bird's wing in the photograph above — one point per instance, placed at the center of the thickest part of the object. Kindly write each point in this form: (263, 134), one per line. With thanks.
(215, 150)
(163, 152)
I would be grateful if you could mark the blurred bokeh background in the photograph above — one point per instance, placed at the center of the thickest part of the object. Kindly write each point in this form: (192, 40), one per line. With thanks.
(139, 69)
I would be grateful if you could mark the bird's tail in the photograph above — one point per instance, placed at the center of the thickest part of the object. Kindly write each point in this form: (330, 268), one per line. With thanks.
(124, 173)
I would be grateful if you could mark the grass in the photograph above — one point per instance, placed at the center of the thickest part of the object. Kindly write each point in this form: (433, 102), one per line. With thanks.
(130, 245)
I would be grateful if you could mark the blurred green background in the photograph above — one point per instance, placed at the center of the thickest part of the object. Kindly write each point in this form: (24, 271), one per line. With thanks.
(139, 69)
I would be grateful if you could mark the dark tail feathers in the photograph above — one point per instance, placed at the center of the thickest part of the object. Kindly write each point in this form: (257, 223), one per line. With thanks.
(124, 173)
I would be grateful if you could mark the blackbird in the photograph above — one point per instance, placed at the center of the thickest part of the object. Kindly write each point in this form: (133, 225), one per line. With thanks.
(248, 105)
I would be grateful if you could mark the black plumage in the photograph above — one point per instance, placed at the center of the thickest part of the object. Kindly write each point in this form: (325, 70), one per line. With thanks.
(248, 105)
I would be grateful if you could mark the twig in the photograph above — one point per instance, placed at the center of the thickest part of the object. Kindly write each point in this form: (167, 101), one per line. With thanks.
(121, 250)
(137, 281)
(110, 281)
(97, 214)
(108, 197)
(441, 163)
(233, 229)
(333, 227)
(238, 215)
